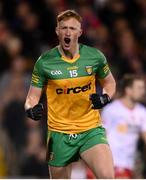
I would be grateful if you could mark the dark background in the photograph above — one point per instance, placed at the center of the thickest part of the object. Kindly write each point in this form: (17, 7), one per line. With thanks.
(27, 28)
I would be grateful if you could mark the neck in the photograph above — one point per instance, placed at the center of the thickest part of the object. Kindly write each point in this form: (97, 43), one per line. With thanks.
(128, 102)
(69, 53)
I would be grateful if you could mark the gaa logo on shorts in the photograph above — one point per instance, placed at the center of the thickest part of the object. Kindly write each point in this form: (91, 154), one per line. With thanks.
(56, 72)
(89, 69)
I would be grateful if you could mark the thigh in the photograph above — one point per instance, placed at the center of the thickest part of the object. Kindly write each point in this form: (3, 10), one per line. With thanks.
(99, 159)
(60, 172)
(62, 150)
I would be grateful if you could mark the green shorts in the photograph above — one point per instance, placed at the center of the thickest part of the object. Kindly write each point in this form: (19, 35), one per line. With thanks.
(66, 148)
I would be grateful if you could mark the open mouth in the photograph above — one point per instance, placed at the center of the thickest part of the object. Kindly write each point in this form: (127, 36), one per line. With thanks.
(67, 40)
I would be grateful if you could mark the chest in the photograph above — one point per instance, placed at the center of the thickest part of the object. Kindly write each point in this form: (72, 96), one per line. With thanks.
(60, 69)
(127, 121)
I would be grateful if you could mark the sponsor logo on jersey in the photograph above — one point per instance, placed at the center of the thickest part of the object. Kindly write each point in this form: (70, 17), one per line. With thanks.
(72, 68)
(73, 90)
(56, 72)
(89, 69)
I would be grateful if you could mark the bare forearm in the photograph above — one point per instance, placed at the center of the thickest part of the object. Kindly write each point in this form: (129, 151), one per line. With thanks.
(33, 97)
(31, 102)
(110, 89)
(143, 135)
(109, 85)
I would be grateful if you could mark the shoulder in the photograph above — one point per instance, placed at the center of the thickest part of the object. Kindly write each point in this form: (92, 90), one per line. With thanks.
(47, 55)
(92, 51)
(140, 112)
(141, 108)
(88, 48)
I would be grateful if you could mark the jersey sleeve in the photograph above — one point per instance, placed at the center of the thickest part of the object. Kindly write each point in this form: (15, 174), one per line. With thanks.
(38, 76)
(103, 68)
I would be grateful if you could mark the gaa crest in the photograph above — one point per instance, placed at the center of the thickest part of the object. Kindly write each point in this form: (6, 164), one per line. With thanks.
(89, 69)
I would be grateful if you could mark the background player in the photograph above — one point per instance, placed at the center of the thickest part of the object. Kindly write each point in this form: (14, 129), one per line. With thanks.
(125, 121)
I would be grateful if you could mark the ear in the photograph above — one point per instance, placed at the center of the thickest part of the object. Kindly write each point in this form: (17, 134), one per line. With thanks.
(80, 33)
(56, 30)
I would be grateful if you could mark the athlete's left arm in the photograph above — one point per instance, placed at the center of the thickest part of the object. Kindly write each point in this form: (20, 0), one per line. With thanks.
(143, 135)
(142, 115)
(108, 84)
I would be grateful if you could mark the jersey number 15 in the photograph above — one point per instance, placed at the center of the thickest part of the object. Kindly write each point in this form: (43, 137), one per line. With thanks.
(73, 73)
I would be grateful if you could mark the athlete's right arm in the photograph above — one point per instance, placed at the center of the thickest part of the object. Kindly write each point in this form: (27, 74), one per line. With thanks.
(34, 109)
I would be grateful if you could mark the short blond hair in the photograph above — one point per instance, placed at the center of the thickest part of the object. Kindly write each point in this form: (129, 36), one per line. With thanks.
(68, 14)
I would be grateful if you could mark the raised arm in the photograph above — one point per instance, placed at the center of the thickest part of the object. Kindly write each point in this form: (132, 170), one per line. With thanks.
(33, 97)
(108, 84)
(106, 81)
(34, 109)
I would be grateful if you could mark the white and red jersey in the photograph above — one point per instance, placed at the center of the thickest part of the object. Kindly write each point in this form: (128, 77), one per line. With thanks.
(123, 126)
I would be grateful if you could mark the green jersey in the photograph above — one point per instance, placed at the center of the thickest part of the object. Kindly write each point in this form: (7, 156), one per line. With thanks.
(68, 84)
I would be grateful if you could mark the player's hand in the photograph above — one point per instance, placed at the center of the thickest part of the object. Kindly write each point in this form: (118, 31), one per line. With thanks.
(99, 101)
(35, 113)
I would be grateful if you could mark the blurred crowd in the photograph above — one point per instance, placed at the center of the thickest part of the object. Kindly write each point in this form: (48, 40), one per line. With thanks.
(27, 28)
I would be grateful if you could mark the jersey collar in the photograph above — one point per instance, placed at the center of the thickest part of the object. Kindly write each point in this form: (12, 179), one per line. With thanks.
(63, 57)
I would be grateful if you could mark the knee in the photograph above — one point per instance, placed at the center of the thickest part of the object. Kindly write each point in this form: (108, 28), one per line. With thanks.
(59, 172)
(106, 174)
(56, 170)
